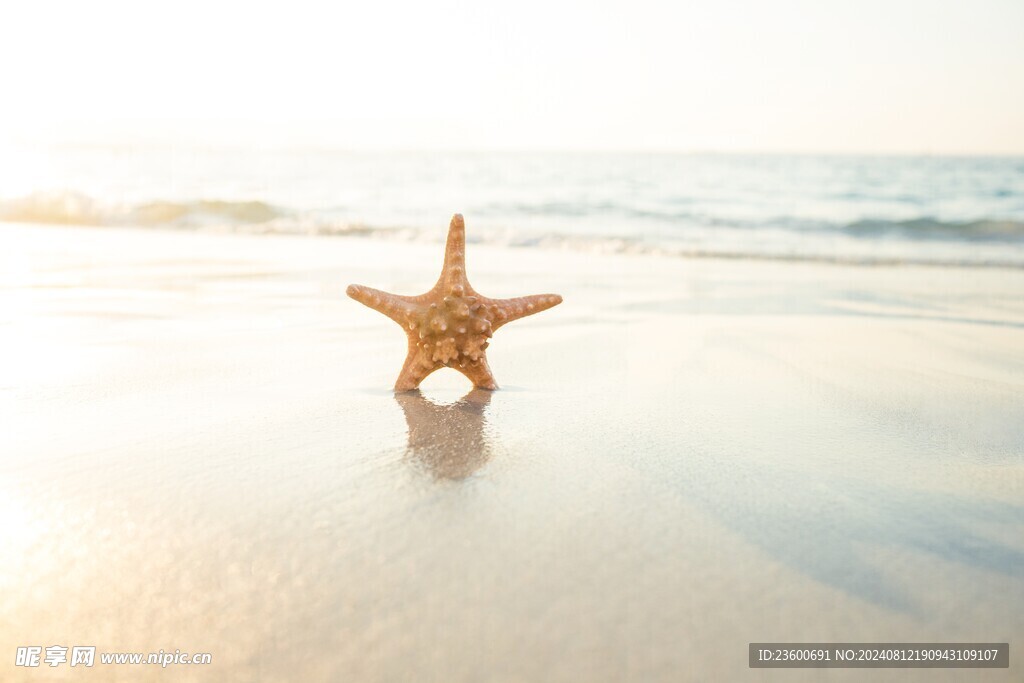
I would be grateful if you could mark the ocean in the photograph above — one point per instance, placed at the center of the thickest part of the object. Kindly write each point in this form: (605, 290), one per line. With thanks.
(856, 209)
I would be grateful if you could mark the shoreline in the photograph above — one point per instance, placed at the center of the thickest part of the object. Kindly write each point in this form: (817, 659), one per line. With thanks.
(562, 243)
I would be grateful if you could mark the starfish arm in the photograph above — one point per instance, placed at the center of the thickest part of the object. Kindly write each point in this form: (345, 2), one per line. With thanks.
(416, 368)
(453, 272)
(479, 373)
(393, 306)
(506, 310)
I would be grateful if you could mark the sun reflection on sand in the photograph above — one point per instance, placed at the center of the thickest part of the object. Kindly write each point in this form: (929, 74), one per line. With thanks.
(450, 441)
(19, 529)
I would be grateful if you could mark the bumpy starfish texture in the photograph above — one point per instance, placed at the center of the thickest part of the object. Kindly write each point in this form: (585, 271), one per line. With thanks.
(450, 325)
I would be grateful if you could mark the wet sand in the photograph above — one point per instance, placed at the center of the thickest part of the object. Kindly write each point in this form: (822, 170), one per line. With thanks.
(200, 451)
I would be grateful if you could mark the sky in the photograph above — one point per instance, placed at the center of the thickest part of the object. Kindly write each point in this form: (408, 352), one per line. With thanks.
(865, 76)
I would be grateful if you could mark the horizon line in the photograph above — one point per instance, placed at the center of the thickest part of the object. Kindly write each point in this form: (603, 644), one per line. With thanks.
(341, 149)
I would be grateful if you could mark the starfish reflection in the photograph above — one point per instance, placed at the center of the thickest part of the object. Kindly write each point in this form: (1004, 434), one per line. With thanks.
(448, 440)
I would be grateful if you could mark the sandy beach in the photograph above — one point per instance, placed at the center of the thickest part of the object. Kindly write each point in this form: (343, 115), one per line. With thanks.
(201, 451)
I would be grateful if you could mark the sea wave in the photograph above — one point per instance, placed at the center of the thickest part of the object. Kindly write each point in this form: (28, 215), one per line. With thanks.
(931, 228)
(73, 208)
(668, 214)
(925, 240)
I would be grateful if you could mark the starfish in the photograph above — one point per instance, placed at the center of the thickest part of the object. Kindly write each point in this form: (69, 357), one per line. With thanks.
(449, 326)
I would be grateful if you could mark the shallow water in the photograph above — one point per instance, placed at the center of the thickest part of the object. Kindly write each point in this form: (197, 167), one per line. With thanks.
(200, 452)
